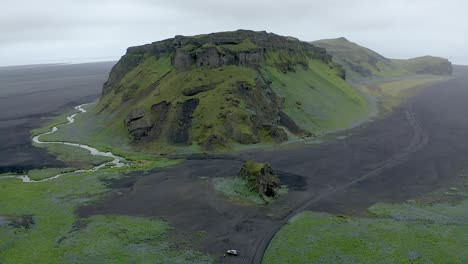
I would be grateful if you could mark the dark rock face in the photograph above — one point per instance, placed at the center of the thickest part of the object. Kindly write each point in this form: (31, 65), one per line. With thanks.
(191, 91)
(287, 122)
(194, 51)
(137, 125)
(182, 60)
(183, 122)
(260, 177)
(276, 133)
(214, 141)
(160, 113)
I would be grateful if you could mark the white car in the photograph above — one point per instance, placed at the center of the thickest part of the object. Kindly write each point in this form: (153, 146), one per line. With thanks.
(233, 252)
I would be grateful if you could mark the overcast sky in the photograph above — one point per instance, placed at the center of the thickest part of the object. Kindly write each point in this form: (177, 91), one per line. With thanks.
(51, 31)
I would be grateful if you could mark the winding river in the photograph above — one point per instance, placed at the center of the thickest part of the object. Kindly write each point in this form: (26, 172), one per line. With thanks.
(117, 161)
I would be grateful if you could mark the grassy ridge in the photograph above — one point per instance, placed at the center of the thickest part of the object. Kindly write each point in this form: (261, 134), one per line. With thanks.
(362, 63)
(311, 97)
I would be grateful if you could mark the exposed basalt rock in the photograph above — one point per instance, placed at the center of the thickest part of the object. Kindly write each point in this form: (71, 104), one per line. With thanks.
(160, 114)
(359, 69)
(183, 122)
(260, 177)
(287, 122)
(137, 126)
(215, 50)
(274, 132)
(182, 60)
(134, 115)
(213, 142)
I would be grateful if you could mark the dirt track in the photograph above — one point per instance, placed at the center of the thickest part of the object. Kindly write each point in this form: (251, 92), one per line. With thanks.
(418, 149)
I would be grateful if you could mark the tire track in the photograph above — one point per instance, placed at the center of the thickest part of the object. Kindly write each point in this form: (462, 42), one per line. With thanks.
(418, 141)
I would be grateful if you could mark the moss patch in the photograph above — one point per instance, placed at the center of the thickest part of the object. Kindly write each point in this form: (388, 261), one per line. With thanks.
(237, 189)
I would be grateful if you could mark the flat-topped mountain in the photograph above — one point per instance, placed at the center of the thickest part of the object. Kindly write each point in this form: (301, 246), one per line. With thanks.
(216, 91)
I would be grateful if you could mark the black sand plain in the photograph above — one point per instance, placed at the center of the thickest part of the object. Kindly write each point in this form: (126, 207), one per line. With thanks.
(30, 93)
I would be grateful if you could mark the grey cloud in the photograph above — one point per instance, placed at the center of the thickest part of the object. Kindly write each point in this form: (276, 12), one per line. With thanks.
(60, 30)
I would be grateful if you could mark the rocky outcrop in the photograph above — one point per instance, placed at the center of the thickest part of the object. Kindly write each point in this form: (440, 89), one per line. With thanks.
(137, 125)
(181, 124)
(160, 114)
(260, 177)
(191, 91)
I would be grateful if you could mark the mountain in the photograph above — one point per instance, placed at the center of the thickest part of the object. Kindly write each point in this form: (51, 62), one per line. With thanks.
(360, 62)
(222, 90)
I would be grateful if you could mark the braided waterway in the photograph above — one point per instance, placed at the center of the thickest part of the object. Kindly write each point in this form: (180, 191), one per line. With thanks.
(117, 161)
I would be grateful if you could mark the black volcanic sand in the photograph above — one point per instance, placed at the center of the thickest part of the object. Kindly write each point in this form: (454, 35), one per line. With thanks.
(30, 93)
(186, 200)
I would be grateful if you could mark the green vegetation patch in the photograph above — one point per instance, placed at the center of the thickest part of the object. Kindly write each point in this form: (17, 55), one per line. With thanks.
(237, 189)
(55, 235)
(317, 99)
(437, 213)
(124, 239)
(398, 234)
(40, 174)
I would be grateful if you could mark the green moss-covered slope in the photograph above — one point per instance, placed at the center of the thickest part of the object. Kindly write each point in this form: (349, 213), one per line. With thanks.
(361, 63)
(212, 92)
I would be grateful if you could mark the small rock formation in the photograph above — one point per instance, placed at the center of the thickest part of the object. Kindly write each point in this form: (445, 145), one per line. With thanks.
(137, 125)
(260, 177)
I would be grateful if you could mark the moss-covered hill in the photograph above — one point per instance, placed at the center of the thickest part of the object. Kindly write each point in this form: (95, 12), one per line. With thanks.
(216, 91)
(361, 63)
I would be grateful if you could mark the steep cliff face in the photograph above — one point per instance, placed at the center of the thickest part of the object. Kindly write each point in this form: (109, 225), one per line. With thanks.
(214, 91)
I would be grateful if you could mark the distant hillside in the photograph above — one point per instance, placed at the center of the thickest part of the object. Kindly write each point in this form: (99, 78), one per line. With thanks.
(361, 63)
(215, 91)
(426, 65)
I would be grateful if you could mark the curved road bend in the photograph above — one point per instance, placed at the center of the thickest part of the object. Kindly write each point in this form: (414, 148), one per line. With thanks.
(419, 140)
